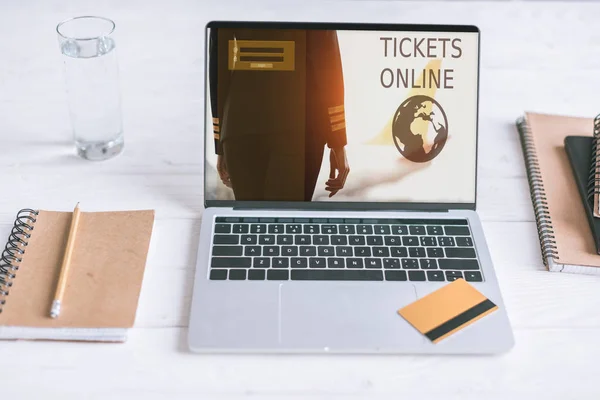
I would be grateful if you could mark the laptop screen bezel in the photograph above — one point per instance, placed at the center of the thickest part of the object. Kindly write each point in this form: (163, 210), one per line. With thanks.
(338, 205)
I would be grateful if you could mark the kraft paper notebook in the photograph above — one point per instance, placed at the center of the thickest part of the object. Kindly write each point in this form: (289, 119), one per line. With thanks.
(566, 240)
(104, 281)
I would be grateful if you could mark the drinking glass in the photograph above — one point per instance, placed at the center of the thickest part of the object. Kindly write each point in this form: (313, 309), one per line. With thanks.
(91, 74)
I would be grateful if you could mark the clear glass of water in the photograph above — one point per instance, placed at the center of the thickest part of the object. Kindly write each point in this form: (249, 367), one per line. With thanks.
(91, 73)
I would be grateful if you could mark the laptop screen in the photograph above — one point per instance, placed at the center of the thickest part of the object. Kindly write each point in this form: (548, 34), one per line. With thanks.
(302, 113)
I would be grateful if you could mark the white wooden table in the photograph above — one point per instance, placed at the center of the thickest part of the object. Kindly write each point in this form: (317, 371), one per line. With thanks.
(536, 56)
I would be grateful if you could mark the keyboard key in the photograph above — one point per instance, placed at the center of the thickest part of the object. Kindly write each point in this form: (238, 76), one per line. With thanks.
(416, 275)
(460, 252)
(391, 263)
(267, 220)
(230, 262)
(302, 239)
(335, 263)
(381, 252)
(237, 274)
(392, 240)
(317, 262)
(395, 276)
(428, 241)
(329, 229)
(280, 262)
(455, 263)
(278, 228)
(372, 263)
(256, 228)
(302, 220)
(320, 239)
(416, 252)
(435, 276)
(218, 274)
(295, 228)
(285, 220)
(357, 240)
(289, 251)
(336, 220)
(453, 275)
(252, 251)
(416, 230)
(241, 228)
(347, 229)
(299, 262)
(227, 250)
(339, 240)
(457, 230)
(382, 230)
(435, 252)
(308, 251)
(266, 239)
(227, 219)
(375, 240)
(408, 263)
(256, 274)
(446, 241)
(285, 239)
(312, 229)
(261, 262)
(364, 229)
(249, 239)
(427, 263)
(226, 239)
(399, 252)
(410, 241)
(325, 251)
(362, 251)
(281, 275)
(249, 219)
(271, 251)
(435, 230)
(318, 220)
(399, 229)
(337, 275)
(354, 263)
(222, 228)
(464, 242)
(473, 276)
(343, 251)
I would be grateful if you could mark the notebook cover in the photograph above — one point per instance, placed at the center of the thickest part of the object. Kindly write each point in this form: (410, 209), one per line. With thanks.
(105, 278)
(595, 163)
(579, 151)
(574, 244)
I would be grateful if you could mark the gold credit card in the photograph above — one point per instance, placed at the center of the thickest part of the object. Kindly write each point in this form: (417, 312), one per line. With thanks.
(447, 310)
(261, 55)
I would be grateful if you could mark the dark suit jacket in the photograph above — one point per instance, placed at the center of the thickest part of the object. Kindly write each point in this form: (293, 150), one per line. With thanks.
(308, 100)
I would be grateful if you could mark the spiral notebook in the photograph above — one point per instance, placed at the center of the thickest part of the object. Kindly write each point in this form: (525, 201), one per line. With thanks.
(104, 280)
(594, 187)
(566, 241)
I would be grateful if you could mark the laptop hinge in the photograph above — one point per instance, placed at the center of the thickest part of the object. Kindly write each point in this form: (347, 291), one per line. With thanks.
(352, 209)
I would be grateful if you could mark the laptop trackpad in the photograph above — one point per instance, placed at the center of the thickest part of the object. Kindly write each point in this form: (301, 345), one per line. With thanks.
(346, 316)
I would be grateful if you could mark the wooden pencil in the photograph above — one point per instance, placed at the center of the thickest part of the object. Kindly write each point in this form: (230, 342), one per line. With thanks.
(66, 265)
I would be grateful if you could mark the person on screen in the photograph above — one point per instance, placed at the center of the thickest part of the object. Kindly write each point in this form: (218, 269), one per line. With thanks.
(277, 99)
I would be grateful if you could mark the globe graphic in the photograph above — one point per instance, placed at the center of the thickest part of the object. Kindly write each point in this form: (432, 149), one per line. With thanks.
(420, 128)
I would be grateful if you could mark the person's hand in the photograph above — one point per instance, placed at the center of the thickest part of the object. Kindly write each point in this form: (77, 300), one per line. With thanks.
(222, 169)
(338, 163)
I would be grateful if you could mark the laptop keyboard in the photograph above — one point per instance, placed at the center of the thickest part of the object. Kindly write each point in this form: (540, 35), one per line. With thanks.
(338, 249)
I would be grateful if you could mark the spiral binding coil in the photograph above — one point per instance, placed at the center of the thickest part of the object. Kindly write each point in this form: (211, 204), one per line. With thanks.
(14, 250)
(538, 194)
(593, 186)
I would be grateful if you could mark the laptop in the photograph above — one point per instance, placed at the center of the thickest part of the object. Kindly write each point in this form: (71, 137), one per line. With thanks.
(340, 186)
